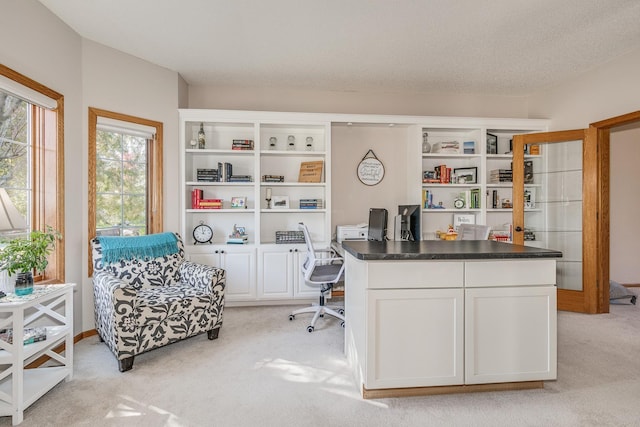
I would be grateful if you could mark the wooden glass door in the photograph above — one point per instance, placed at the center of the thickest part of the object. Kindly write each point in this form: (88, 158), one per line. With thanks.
(555, 200)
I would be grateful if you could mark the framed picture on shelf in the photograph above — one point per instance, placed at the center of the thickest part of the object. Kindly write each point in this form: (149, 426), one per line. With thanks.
(280, 202)
(238, 202)
(463, 219)
(466, 175)
(529, 198)
(492, 144)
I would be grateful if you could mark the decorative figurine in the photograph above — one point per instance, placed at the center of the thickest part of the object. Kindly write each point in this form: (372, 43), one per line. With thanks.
(272, 143)
(309, 145)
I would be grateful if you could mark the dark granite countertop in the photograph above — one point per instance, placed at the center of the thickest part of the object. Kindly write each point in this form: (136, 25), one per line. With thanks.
(443, 250)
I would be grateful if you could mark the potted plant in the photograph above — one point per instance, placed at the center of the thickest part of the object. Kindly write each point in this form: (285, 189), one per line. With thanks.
(24, 255)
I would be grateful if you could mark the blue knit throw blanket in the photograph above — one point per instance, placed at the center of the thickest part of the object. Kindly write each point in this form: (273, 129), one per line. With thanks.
(116, 248)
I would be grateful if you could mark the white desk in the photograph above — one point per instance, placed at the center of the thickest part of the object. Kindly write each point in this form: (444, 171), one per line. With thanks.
(49, 306)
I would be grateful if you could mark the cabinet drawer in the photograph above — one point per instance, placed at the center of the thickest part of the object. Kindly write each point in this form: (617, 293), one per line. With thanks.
(415, 274)
(510, 273)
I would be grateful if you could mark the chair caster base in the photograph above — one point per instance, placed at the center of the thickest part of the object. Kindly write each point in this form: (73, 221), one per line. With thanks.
(291, 317)
(310, 329)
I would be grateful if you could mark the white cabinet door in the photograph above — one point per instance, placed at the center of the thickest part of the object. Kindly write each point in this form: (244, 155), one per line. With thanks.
(414, 338)
(510, 334)
(276, 272)
(240, 266)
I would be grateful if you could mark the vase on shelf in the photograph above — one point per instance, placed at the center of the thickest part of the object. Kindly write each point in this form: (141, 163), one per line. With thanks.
(309, 144)
(24, 283)
(426, 147)
(273, 141)
(291, 143)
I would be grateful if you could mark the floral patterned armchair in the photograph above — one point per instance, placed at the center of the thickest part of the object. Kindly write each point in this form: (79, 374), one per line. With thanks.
(150, 301)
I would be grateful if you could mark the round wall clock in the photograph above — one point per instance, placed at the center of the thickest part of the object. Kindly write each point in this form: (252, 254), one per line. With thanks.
(202, 233)
(370, 169)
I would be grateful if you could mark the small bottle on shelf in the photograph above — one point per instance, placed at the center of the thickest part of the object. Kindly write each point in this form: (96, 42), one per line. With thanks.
(201, 141)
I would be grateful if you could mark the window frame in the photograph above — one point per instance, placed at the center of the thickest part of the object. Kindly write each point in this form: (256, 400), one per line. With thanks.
(154, 174)
(47, 168)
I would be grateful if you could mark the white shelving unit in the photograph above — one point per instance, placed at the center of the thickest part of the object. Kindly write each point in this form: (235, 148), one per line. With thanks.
(439, 215)
(49, 306)
(251, 275)
(258, 281)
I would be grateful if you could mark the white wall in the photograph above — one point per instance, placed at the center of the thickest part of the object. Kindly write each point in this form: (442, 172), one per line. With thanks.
(119, 82)
(315, 101)
(607, 91)
(625, 205)
(38, 45)
(610, 90)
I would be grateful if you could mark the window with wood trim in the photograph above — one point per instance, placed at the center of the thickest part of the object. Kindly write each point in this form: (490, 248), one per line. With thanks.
(125, 175)
(32, 162)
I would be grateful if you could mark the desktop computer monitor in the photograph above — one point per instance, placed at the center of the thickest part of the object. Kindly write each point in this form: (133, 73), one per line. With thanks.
(407, 225)
(377, 224)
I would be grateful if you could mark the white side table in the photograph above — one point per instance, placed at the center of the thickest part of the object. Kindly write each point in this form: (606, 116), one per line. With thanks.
(49, 306)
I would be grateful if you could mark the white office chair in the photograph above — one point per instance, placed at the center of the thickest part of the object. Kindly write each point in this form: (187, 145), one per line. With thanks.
(324, 272)
(473, 232)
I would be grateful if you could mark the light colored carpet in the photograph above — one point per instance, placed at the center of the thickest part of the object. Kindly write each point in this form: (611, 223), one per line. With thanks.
(267, 371)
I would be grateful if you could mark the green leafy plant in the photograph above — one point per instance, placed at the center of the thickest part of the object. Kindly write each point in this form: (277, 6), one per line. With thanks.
(25, 254)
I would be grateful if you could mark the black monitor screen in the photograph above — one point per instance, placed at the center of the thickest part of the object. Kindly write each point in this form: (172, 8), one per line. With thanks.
(377, 224)
(409, 222)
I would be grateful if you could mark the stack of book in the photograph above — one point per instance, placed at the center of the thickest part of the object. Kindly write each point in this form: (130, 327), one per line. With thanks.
(207, 175)
(241, 239)
(242, 144)
(501, 175)
(240, 178)
(272, 178)
(30, 336)
(446, 147)
(209, 204)
(310, 203)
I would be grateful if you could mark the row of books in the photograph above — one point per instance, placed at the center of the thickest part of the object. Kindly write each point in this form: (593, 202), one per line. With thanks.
(272, 178)
(501, 175)
(310, 203)
(242, 144)
(440, 174)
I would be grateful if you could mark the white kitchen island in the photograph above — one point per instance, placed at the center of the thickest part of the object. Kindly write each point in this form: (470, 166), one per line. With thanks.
(436, 317)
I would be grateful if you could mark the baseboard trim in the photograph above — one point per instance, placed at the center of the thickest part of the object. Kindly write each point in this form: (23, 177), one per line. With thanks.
(448, 389)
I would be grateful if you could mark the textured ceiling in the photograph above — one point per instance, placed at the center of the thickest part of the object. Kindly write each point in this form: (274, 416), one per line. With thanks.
(507, 47)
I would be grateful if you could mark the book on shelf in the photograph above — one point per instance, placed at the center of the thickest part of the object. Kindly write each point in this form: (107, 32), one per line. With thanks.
(272, 178)
(243, 240)
(242, 144)
(311, 171)
(196, 196)
(240, 178)
(209, 204)
(310, 203)
(207, 175)
(500, 175)
(31, 335)
(225, 170)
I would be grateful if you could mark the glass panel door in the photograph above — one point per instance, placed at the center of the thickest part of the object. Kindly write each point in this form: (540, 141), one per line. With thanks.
(550, 210)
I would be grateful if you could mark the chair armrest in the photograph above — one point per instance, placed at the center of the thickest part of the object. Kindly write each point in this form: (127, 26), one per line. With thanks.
(202, 276)
(115, 302)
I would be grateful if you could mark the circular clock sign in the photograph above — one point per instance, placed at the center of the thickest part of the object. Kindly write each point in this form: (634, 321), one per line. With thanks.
(370, 169)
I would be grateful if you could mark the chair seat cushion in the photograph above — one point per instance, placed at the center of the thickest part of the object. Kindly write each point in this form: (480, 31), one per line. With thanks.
(325, 273)
(156, 304)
